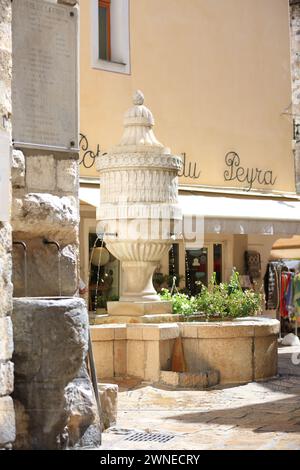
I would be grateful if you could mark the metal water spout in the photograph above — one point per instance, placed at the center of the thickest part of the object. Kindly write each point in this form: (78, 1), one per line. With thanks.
(23, 244)
(52, 242)
(55, 243)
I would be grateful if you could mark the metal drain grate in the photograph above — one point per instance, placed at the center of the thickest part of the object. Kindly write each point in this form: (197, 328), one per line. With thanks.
(149, 437)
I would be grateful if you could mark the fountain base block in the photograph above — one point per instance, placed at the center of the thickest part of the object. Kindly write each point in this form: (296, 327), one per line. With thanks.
(138, 312)
(137, 309)
(106, 319)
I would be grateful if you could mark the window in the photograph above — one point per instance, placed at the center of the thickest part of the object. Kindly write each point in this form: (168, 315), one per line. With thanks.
(201, 263)
(104, 273)
(110, 35)
(104, 30)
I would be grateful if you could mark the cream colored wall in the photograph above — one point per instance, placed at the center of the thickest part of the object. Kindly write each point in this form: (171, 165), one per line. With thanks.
(240, 245)
(216, 75)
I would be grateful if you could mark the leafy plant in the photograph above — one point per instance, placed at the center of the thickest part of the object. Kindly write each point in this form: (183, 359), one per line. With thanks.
(181, 303)
(217, 300)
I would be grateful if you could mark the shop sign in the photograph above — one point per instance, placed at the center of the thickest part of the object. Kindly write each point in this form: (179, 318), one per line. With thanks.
(189, 169)
(236, 172)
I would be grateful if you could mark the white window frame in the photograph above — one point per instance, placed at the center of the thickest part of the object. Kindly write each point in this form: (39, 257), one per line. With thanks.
(111, 66)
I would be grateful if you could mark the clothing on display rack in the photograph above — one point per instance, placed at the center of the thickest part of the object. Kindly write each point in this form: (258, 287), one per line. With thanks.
(272, 284)
(286, 295)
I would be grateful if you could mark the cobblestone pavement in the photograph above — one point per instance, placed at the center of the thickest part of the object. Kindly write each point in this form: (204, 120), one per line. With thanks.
(264, 415)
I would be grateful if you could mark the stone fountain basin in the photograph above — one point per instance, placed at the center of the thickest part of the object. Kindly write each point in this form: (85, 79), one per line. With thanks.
(44, 329)
(241, 351)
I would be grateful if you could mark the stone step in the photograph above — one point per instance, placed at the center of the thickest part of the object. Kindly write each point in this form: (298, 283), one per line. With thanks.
(199, 380)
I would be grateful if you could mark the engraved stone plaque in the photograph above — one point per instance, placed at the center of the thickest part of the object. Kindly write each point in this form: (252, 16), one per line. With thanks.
(4, 176)
(45, 75)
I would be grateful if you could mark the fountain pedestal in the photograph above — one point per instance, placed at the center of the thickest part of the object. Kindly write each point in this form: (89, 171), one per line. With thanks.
(138, 214)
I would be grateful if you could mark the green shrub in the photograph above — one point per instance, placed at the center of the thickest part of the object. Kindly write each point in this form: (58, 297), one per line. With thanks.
(217, 300)
(181, 303)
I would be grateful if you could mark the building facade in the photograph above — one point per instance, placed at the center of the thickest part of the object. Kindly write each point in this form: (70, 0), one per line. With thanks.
(217, 77)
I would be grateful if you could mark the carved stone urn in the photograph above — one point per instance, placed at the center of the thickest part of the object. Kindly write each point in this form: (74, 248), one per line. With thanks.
(139, 209)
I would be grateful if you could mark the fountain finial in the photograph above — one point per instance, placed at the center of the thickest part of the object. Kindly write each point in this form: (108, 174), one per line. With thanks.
(138, 98)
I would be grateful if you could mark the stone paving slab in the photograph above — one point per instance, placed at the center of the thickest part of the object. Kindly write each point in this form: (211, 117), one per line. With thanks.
(261, 415)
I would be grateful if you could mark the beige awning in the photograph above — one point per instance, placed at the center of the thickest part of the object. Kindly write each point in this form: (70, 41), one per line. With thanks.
(235, 215)
(244, 215)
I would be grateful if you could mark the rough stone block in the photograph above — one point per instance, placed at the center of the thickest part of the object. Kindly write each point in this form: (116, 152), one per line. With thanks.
(152, 361)
(135, 332)
(42, 214)
(200, 381)
(136, 358)
(191, 354)
(265, 357)
(231, 356)
(22, 441)
(51, 341)
(226, 329)
(6, 378)
(188, 330)
(104, 358)
(102, 333)
(67, 176)
(41, 173)
(136, 309)
(82, 408)
(165, 352)
(120, 332)
(151, 333)
(169, 378)
(120, 358)
(6, 339)
(108, 394)
(18, 169)
(43, 269)
(7, 421)
(272, 328)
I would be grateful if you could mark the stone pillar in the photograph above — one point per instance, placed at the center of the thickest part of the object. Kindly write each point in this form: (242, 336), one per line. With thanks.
(139, 209)
(295, 69)
(7, 415)
(54, 398)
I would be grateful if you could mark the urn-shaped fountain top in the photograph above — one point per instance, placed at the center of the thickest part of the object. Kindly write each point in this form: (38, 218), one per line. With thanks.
(138, 132)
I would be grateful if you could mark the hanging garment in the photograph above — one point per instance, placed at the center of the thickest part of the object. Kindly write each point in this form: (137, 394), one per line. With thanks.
(297, 294)
(289, 294)
(285, 280)
(272, 284)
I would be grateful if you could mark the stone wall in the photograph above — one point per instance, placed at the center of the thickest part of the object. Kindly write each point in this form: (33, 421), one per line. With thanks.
(54, 399)
(295, 69)
(45, 206)
(7, 415)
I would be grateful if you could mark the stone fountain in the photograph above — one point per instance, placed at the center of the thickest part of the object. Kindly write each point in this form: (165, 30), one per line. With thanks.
(139, 214)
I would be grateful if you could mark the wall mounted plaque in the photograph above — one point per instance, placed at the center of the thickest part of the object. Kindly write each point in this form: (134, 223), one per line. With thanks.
(45, 75)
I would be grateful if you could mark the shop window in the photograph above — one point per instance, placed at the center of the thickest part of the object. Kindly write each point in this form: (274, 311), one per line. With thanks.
(200, 264)
(218, 262)
(110, 35)
(104, 275)
(196, 272)
(104, 30)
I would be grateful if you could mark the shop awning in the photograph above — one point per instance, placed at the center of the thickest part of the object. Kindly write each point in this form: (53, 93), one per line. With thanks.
(244, 215)
(236, 215)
